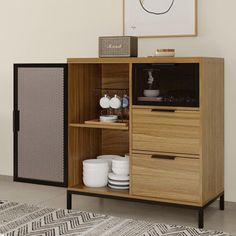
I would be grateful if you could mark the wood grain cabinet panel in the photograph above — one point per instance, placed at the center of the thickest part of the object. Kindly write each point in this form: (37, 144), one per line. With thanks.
(166, 177)
(166, 131)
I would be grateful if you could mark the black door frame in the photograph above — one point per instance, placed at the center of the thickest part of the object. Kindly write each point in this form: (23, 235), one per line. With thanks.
(16, 123)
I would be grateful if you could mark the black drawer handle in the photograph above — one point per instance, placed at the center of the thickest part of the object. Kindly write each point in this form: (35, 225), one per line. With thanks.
(160, 110)
(163, 157)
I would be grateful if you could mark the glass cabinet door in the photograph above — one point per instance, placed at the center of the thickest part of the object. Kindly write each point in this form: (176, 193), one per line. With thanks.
(163, 84)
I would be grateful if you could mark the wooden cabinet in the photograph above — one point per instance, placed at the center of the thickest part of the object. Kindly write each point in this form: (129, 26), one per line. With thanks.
(176, 152)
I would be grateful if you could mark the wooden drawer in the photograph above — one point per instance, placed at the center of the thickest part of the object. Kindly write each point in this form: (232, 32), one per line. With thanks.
(166, 131)
(166, 177)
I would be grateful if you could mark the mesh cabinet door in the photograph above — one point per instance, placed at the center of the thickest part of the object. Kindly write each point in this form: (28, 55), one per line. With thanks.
(40, 123)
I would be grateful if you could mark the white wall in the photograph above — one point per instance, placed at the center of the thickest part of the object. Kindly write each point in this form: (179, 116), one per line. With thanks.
(52, 30)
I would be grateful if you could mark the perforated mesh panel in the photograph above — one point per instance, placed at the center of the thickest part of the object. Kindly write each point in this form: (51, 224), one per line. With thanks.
(40, 138)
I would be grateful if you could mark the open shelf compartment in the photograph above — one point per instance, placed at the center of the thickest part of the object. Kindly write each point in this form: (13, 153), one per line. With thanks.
(89, 138)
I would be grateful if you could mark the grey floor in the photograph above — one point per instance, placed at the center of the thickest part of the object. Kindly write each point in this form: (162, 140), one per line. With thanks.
(56, 198)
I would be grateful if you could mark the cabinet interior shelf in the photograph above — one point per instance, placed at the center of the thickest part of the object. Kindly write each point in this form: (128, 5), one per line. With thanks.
(102, 191)
(101, 125)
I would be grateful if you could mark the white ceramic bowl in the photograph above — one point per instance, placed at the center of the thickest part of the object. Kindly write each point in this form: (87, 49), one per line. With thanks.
(151, 93)
(108, 158)
(120, 165)
(95, 175)
(120, 168)
(96, 168)
(95, 182)
(120, 171)
(120, 160)
(95, 172)
(95, 163)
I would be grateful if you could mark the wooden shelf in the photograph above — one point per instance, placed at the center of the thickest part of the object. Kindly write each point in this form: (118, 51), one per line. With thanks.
(101, 125)
(102, 191)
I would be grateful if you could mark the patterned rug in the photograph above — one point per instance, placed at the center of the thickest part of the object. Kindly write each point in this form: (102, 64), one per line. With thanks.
(18, 219)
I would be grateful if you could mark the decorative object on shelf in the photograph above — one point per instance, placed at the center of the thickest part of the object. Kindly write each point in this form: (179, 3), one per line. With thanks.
(118, 46)
(151, 92)
(105, 101)
(165, 53)
(115, 101)
(160, 18)
(95, 172)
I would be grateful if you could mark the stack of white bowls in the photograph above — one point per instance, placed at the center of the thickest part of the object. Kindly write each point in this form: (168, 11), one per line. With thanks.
(120, 166)
(109, 159)
(95, 172)
(119, 179)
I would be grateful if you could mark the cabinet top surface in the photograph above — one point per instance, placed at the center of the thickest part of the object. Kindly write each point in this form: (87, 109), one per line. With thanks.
(143, 60)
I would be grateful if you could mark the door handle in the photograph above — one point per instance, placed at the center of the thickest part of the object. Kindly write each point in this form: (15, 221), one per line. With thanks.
(16, 120)
(163, 157)
(160, 110)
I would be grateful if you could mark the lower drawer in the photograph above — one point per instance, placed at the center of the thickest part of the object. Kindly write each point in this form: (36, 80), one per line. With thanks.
(166, 177)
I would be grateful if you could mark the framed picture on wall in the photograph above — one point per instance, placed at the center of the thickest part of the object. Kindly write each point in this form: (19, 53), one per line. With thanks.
(160, 18)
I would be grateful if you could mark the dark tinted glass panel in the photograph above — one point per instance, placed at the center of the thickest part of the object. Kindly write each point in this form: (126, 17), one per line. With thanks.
(166, 84)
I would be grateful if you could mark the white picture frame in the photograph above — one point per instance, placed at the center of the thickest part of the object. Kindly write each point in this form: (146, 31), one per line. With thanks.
(160, 18)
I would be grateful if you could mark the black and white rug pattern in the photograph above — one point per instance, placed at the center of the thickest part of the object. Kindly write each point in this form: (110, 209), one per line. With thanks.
(19, 219)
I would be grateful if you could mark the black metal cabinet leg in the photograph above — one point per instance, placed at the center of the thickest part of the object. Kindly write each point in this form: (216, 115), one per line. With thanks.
(222, 202)
(69, 200)
(201, 218)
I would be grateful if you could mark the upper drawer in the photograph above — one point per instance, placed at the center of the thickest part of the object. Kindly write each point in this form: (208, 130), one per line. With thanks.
(166, 131)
